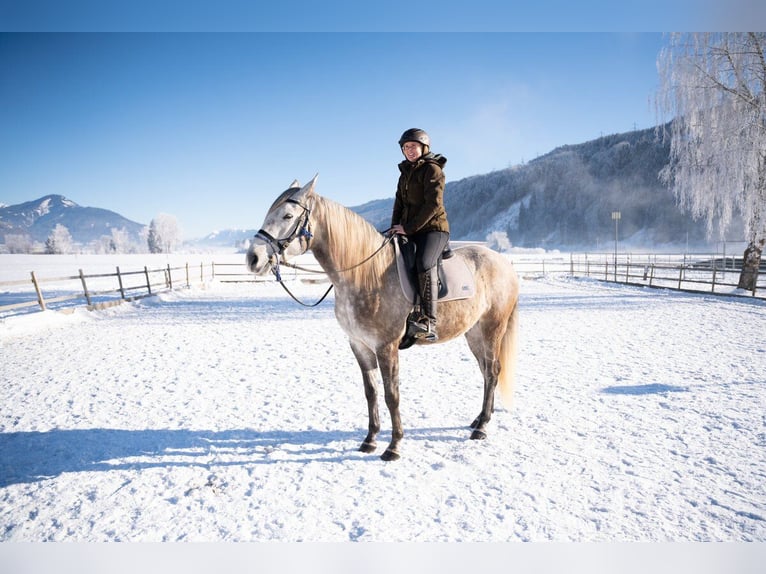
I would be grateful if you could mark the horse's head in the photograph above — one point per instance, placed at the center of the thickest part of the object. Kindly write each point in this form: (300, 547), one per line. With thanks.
(285, 231)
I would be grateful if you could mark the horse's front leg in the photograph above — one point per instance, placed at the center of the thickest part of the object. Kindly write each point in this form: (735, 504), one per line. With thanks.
(388, 359)
(368, 363)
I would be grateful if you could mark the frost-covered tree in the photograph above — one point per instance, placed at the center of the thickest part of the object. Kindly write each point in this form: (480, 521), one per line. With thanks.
(120, 241)
(164, 234)
(714, 86)
(18, 243)
(498, 240)
(59, 241)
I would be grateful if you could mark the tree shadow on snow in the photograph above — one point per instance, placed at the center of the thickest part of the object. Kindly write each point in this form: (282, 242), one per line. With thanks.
(30, 457)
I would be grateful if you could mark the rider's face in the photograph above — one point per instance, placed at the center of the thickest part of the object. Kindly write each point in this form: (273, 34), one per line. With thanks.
(412, 150)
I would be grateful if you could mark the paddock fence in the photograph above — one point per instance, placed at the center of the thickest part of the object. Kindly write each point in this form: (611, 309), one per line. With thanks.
(698, 273)
(94, 290)
(695, 273)
(102, 290)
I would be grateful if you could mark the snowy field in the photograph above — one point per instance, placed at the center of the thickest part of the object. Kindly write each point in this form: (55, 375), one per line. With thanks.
(229, 413)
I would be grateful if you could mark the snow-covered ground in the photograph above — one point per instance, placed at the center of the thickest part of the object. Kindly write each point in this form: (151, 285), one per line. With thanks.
(229, 413)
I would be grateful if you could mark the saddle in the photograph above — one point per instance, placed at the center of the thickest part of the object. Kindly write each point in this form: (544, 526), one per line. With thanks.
(455, 279)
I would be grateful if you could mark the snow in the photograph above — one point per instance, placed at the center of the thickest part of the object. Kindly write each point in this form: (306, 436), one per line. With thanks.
(44, 207)
(226, 412)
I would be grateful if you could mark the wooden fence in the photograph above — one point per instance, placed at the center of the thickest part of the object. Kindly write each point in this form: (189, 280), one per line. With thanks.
(708, 273)
(100, 290)
(692, 273)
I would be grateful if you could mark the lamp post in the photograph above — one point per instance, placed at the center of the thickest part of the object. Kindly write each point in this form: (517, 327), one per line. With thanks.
(616, 216)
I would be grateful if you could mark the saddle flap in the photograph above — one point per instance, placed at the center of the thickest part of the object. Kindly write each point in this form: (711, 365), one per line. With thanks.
(455, 278)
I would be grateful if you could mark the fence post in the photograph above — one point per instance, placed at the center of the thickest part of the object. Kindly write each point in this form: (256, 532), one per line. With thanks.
(651, 277)
(169, 278)
(680, 275)
(148, 283)
(201, 272)
(40, 299)
(84, 287)
(119, 280)
(188, 284)
(712, 289)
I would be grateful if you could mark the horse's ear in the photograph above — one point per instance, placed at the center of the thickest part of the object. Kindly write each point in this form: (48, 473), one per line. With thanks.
(307, 189)
(294, 184)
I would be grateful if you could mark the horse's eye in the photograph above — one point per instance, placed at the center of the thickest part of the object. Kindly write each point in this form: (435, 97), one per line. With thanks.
(288, 216)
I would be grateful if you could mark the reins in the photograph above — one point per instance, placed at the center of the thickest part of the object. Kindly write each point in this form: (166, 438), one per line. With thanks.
(278, 247)
(386, 241)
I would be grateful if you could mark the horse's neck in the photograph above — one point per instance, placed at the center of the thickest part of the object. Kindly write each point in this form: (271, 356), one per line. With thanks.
(342, 241)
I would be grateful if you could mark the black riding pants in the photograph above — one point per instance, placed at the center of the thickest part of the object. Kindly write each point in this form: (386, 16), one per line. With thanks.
(428, 248)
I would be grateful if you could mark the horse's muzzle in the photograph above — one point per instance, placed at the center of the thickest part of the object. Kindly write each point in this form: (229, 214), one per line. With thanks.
(258, 259)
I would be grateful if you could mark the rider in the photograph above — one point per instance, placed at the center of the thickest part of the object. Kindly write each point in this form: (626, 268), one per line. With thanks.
(420, 215)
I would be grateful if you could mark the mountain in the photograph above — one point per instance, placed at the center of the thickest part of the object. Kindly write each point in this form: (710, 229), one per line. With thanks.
(565, 199)
(36, 219)
(238, 239)
(561, 200)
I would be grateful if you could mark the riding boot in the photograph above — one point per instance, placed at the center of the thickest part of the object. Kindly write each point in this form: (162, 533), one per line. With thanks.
(429, 286)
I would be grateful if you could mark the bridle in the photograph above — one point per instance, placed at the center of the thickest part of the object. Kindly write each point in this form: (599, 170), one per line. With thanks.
(279, 245)
(302, 231)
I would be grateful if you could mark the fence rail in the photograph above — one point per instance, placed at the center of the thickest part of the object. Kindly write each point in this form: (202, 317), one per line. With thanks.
(98, 290)
(709, 273)
(694, 273)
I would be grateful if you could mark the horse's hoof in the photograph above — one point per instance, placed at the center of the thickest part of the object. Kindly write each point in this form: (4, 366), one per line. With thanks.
(368, 447)
(478, 435)
(389, 455)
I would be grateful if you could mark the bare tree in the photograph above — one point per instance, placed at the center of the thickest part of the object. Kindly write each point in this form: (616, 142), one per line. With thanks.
(714, 87)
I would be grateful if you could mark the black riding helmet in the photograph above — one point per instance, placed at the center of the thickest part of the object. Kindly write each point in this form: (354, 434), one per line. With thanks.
(416, 135)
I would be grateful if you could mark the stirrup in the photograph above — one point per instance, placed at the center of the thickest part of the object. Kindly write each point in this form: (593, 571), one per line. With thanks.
(426, 336)
(424, 330)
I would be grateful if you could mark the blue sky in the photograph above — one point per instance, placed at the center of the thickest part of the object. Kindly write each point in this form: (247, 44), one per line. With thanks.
(211, 127)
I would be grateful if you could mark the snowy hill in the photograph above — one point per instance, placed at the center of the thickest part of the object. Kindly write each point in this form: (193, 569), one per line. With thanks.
(564, 199)
(36, 219)
(238, 239)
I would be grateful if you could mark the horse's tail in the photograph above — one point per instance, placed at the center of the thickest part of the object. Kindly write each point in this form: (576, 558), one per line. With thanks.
(508, 354)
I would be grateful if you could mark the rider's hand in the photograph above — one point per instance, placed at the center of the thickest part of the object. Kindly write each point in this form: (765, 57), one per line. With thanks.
(398, 229)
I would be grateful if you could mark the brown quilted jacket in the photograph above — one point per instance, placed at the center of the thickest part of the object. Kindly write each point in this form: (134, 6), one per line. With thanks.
(419, 201)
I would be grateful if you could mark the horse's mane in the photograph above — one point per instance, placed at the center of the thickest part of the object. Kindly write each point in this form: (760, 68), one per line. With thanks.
(350, 240)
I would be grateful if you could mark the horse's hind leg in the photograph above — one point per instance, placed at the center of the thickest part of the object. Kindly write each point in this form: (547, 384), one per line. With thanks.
(369, 366)
(487, 357)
